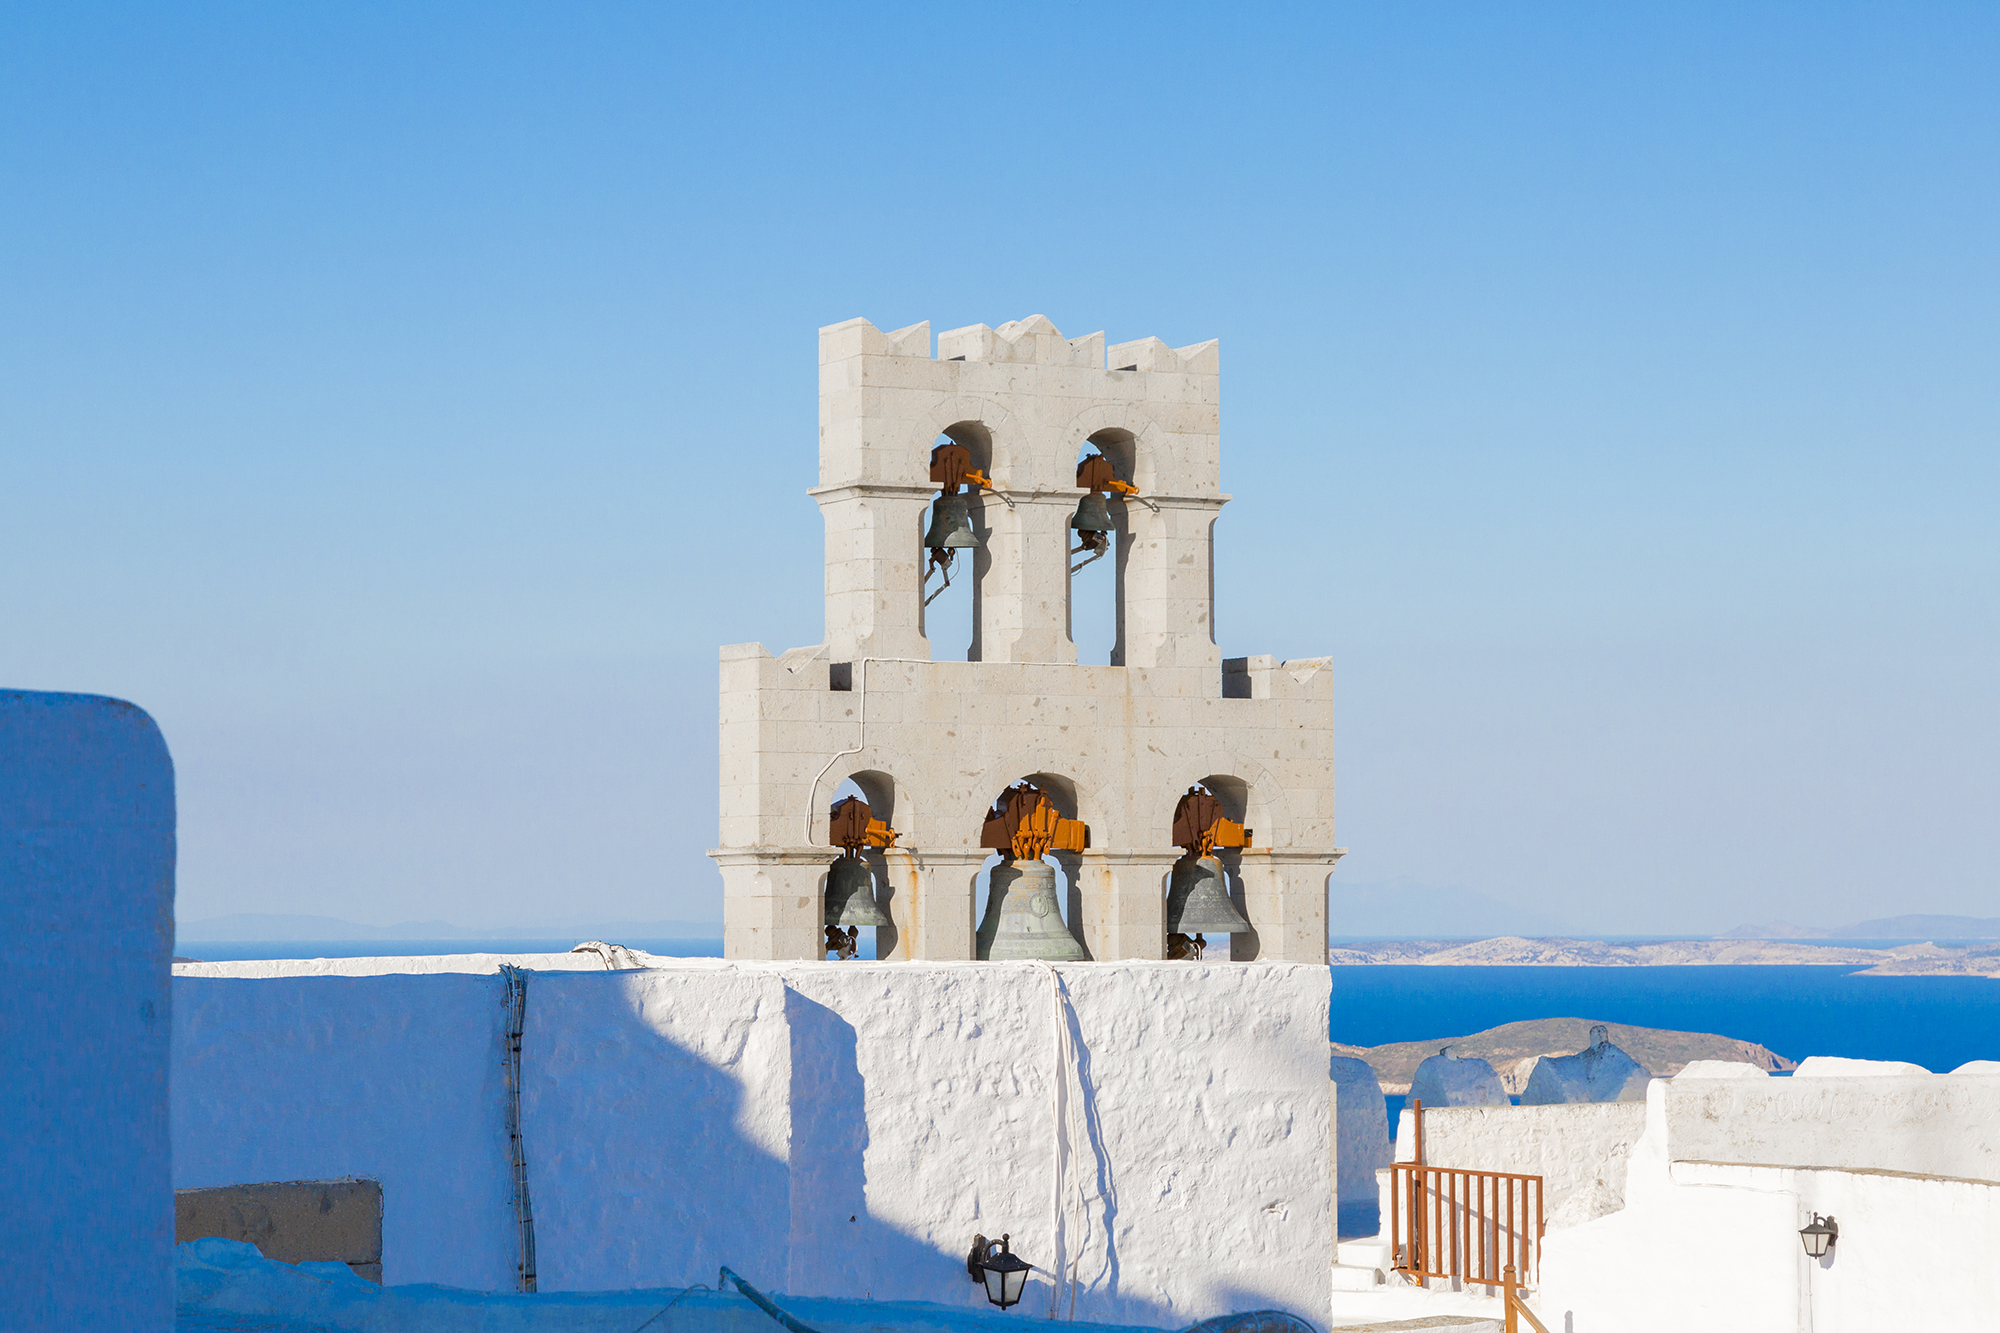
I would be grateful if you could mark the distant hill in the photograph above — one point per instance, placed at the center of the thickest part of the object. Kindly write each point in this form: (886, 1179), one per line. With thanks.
(1912, 927)
(258, 927)
(1662, 1052)
(1924, 928)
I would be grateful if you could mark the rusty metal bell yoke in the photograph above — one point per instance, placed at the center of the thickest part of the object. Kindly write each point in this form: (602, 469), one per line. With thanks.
(1198, 900)
(1023, 916)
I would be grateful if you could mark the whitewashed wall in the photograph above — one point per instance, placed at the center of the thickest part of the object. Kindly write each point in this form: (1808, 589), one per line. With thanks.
(86, 932)
(1915, 1250)
(831, 1129)
(390, 1078)
(1579, 1149)
(1363, 1130)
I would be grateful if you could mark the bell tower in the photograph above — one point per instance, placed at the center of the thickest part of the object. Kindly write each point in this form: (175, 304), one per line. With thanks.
(964, 464)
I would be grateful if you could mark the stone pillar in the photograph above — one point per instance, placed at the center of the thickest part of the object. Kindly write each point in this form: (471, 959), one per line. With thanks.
(1284, 895)
(1025, 611)
(874, 569)
(899, 893)
(945, 903)
(1169, 598)
(773, 901)
(1125, 902)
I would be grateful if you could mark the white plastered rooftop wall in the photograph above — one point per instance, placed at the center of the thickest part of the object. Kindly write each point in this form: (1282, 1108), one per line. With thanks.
(1904, 1165)
(935, 742)
(826, 1129)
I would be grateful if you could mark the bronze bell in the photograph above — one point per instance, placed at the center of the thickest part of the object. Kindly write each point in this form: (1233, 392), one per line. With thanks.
(850, 895)
(951, 524)
(1198, 900)
(1023, 918)
(1092, 514)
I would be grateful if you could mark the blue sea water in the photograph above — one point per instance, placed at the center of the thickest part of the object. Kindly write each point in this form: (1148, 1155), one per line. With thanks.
(1937, 1022)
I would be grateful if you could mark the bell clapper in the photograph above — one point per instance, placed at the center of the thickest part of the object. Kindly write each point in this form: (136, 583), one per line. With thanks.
(940, 560)
(843, 944)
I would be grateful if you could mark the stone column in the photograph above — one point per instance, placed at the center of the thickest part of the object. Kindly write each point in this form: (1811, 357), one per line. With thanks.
(1284, 895)
(1025, 612)
(874, 569)
(773, 901)
(1125, 901)
(1169, 584)
(945, 903)
(899, 895)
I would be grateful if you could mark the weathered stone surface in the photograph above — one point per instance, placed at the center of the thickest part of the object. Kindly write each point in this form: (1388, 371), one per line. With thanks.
(933, 742)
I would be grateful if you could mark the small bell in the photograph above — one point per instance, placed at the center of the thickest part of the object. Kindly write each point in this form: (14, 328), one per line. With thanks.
(1023, 918)
(951, 524)
(1092, 514)
(1198, 901)
(850, 895)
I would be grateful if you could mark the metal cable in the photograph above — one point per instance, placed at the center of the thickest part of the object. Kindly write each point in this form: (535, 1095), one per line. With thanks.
(763, 1303)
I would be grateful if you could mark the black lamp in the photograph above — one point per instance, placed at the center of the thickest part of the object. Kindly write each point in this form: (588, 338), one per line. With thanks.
(1820, 1236)
(1004, 1273)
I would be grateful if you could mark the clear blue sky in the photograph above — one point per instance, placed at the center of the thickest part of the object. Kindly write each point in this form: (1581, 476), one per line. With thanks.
(403, 402)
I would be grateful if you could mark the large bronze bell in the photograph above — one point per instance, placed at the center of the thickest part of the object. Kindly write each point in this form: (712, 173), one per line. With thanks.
(1092, 514)
(850, 895)
(1023, 918)
(1198, 900)
(951, 524)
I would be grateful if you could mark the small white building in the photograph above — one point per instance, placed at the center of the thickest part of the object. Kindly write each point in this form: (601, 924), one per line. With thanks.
(932, 741)
(1734, 1163)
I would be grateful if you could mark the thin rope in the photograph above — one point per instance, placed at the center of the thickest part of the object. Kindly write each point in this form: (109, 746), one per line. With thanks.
(1063, 1265)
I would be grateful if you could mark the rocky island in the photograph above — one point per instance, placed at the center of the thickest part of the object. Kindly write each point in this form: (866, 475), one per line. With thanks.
(1924, 959)
(1513, 1048)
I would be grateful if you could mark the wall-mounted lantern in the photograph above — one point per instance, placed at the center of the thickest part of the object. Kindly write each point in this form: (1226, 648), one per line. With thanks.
(1820, 1236)
(1002, 1272)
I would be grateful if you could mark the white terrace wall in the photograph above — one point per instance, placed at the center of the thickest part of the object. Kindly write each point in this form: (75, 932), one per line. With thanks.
(932, 743)
(1727, 1172)
(1579, 1149)
(86, 935)
(826, 1129)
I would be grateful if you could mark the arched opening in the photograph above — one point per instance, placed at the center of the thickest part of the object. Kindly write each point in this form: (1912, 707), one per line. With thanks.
(855, 894)
(1205, 900)
(1028, 905)
(1097, 560)
(951, 576)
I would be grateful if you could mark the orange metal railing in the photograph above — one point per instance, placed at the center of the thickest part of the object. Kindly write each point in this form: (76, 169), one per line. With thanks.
(1448, 1222)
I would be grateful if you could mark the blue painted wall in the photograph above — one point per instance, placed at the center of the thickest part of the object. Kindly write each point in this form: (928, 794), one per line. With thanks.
(86, 933)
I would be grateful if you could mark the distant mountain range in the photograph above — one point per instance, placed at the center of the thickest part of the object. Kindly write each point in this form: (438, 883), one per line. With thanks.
(1912, 927)
(259, 927)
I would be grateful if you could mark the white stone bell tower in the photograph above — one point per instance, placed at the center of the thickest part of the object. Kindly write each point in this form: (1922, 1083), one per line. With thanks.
(932, 743)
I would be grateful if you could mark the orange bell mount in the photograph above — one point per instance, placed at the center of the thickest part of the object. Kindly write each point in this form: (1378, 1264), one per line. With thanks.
(1024, 825)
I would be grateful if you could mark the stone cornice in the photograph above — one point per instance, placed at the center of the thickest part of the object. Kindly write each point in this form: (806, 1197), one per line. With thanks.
(865, 490)
(812, 855)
